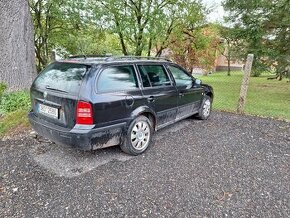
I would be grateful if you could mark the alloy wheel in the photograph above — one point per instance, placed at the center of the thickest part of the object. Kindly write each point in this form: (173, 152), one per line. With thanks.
(140, 135)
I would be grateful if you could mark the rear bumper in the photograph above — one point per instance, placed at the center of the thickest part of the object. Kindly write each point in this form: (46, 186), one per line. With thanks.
(81, 137)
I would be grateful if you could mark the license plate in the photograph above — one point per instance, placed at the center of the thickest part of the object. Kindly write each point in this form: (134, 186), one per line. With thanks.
(48, 111)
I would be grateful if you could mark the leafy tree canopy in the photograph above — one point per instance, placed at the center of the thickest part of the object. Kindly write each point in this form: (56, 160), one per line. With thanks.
(144, 24)
(263, 27)
(131, 27)
(67, 26)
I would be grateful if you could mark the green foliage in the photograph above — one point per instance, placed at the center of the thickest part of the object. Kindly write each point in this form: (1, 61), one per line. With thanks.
(3, 87)
(120, 27)
(14, 107)
(262, 28)
(68, 27)
(14, 101)
(229, 45)
(93, 42)
(143, 25)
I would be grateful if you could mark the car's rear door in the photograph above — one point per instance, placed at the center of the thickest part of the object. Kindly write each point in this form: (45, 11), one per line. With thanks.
(189, 94)
(159, 91)
(117, 94)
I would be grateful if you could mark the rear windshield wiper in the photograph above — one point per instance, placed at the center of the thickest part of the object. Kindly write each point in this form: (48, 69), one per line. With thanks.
(54, 89)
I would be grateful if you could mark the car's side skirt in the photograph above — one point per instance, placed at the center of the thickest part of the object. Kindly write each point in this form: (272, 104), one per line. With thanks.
(176, 120)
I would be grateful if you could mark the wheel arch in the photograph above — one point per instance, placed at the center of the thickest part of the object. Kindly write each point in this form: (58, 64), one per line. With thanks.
(208, 90)
(147, 112)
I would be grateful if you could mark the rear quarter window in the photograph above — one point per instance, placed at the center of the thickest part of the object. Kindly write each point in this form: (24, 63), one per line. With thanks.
(66, 77)
(117, 78)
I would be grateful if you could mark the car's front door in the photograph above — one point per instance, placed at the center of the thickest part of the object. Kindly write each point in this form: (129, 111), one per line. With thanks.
(189, 94)
(159, 92)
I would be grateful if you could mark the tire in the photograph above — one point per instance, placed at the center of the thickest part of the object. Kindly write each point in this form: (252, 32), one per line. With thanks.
(205, 108)
(138, 136)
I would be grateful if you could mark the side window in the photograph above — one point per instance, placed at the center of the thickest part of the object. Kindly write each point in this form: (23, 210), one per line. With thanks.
(153, 75)
(181, 78)
(117, 78)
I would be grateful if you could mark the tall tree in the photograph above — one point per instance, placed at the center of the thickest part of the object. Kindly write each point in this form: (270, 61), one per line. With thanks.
(56, 23)
(17, 60)
(263, 26)
(143, 25)
(196, 47)
(230, 45)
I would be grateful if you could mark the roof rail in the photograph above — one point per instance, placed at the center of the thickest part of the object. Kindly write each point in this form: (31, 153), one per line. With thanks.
(89, 56)
(113, 58)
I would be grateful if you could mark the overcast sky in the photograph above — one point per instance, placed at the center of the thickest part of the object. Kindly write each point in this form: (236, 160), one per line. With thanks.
(217, 10)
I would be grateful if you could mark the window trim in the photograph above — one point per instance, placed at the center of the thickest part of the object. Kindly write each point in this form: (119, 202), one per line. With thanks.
(104, 67)
(154, 64)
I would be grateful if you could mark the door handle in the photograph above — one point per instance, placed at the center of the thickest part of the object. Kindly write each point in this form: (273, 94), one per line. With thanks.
(181, 94)
(151, 99)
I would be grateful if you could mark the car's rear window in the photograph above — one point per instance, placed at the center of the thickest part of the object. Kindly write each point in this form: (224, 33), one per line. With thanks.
(62, 77)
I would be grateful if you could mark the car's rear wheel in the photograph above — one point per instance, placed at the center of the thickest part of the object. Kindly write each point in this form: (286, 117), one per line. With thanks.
(138, 136)
(205, 108)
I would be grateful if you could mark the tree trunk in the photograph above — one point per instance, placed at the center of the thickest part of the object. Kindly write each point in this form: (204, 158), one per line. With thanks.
(149, 47)
(17, 58)
(229, 58)
(229, 66)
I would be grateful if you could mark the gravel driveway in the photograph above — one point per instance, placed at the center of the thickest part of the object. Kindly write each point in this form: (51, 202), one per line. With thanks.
(228, 166)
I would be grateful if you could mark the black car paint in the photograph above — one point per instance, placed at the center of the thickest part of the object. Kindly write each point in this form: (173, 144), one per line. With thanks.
(114, 111)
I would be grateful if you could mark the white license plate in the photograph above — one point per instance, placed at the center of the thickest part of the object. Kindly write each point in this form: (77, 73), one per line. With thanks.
(49, 111)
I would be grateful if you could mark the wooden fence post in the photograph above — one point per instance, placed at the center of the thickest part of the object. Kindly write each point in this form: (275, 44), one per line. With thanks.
(245, 84)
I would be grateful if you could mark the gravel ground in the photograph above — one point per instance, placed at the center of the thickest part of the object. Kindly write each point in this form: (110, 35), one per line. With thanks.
(228, 166)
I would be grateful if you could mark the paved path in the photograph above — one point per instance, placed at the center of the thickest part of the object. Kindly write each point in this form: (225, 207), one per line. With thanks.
(228, 166)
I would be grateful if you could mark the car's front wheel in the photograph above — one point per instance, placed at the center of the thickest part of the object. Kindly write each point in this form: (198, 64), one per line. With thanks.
(138, 136)
(205, 108)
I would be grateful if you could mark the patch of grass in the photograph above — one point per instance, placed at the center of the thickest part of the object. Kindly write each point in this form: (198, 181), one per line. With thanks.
(268, 98)
(14, 107)
(16, 119)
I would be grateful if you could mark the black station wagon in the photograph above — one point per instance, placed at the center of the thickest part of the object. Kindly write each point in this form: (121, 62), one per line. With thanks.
(93, 102)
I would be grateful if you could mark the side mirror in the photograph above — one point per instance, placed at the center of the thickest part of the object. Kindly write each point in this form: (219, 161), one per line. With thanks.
(198, 82)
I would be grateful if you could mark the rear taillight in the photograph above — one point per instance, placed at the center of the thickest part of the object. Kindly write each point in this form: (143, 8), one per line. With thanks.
(84, 113)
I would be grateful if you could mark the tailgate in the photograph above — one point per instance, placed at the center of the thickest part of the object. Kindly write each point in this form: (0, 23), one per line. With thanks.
(54, 93)
(55, 108)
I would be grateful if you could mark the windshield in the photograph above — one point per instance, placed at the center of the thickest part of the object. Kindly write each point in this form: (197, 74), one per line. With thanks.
(63, 77)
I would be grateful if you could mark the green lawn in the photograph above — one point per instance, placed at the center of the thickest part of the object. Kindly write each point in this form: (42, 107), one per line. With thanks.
(14, 107)
(13, 121)
(269, 98)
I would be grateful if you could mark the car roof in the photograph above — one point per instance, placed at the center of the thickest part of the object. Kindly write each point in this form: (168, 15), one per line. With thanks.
(92, 60)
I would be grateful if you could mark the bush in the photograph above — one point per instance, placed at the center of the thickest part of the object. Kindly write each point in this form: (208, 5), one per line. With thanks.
(14, 101)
